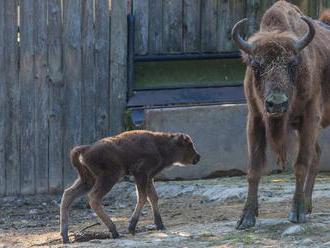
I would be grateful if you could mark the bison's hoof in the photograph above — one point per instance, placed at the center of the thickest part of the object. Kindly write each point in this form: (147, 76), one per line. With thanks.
(115, 235)
(131, 230)
(297, 214)
(65, 238)
(247, 220)
(308, 207)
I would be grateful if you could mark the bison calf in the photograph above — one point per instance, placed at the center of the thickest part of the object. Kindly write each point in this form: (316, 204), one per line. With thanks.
(142, 154)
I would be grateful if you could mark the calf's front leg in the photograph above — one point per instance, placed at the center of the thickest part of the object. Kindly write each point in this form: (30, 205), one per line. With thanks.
(256, 135)
(153, 200)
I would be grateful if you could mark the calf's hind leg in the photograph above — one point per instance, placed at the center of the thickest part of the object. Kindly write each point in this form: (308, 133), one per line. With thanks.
(78, 189)
(101, 187)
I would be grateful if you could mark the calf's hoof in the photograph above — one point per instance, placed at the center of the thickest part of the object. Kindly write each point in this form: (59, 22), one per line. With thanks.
(65, 239)
(308, 207)
(160, 227)
(247, 220)
(115, 235)
(131, 230)
(297, 214)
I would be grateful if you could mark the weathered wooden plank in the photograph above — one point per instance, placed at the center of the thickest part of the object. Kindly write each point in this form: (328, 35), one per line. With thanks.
(323, 4)
(27, 98)
(102, 61)
(3, 101)
(155, 26)
(191, 26)
(72, 79)
(42, 93)
(172, 26)
(55, 96)
(254, 14)
(88, 82)
(118, 65)
(229, 13)
(141, 12)
(209, 15)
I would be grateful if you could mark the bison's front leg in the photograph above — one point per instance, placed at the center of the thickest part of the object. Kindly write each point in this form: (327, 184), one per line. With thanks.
(308, 133)
(256, 149)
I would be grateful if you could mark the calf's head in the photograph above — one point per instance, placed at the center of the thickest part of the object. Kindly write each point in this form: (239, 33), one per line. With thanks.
(185, 150)
(273, 61)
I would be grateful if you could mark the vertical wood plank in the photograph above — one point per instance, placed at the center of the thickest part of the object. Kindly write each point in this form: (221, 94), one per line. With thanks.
(118, 64)
(88, 82)
(172, 26)
(27, 98)
(102, 63)
(3, 101)
(72, 79)
(229, 13)
(254, 14)
(191, 26)
(141, 12)
(155, 26)
(56, 96)
(209, 14)
(42, 93)
(323, 4)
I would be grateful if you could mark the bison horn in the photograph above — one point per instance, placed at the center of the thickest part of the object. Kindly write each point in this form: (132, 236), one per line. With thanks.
(308, 37)
(239, 41)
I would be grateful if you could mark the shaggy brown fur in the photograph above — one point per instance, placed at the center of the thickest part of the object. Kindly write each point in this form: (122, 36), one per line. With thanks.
(273, 63)
(141, 154)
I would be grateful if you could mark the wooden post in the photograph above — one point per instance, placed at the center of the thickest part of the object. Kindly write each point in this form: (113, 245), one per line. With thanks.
(72, 79)
(118, 65)
(42, 94)
(55, 95)
(27, 99)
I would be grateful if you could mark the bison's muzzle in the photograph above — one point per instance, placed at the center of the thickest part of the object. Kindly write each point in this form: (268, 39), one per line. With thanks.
(276, 103)
(196, 159)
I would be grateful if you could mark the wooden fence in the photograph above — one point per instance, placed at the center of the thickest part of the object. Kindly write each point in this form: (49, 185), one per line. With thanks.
(63, 71)
(60, 61)
(194, 26)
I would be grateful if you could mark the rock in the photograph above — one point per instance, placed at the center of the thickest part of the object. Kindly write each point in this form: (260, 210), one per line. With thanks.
(292, 230)
(150, 227)
(307, 241)
(220, 194)
(33, 211)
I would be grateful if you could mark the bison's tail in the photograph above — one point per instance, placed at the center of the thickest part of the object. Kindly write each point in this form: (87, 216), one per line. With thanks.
(83, 171)
(325, 16)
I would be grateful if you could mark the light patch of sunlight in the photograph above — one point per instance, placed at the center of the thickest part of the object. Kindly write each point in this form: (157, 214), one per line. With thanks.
(279, 180)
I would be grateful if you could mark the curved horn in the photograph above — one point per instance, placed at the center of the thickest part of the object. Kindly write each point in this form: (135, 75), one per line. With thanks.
(239, 41)
(308, 37)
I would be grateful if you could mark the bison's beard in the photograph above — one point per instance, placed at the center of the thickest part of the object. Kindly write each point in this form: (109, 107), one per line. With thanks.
(277, 134)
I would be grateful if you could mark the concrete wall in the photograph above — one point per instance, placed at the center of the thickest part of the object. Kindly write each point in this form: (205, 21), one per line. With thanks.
(220, 136)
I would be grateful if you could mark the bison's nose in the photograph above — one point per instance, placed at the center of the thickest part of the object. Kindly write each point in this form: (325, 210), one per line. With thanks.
(196, 159)
(277, 103)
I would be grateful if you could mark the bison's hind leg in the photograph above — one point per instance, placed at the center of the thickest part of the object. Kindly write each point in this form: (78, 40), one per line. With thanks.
(79, 188)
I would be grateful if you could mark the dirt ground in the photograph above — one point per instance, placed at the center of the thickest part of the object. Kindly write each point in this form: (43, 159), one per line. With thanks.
(199, 213)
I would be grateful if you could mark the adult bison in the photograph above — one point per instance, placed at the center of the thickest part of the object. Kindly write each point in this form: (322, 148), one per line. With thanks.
(287, 86)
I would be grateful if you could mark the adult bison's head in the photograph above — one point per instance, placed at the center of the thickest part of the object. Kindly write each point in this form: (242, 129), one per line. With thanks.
(273, 62)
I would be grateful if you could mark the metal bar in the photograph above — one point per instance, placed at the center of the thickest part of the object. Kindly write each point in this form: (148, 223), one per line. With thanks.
(199, 56)
(130, 56)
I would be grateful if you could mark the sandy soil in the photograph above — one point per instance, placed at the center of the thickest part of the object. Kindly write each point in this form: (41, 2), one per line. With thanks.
(196, 213)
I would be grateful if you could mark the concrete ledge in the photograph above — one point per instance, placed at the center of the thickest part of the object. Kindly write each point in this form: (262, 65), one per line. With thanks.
(220, 136)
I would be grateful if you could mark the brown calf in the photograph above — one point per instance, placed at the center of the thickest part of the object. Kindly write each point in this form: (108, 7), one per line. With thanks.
(142, 154)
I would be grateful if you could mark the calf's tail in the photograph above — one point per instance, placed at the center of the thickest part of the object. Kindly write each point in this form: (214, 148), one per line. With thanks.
(85, 175)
